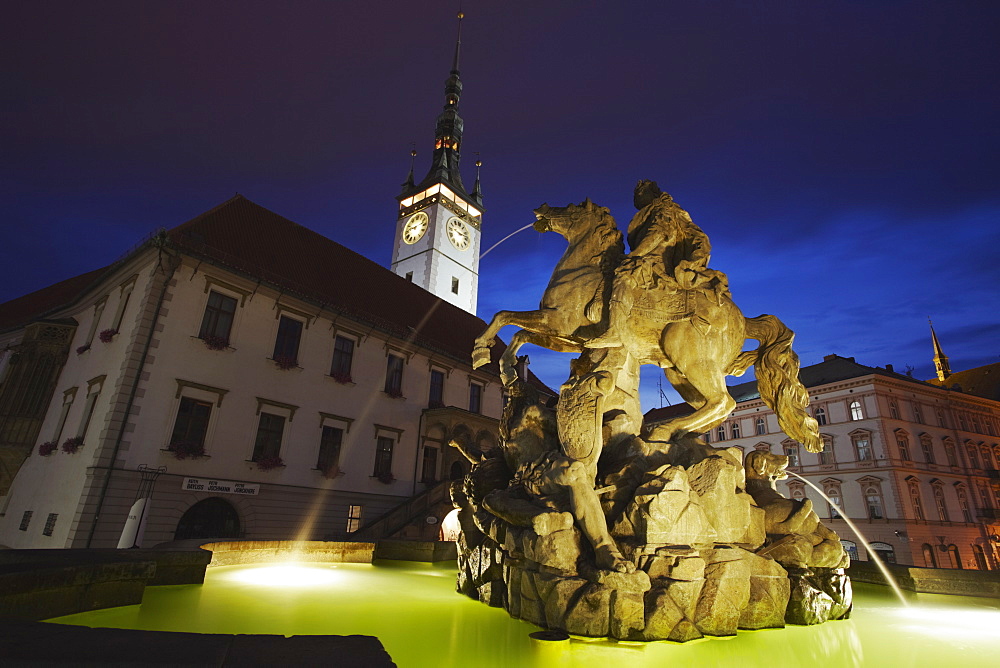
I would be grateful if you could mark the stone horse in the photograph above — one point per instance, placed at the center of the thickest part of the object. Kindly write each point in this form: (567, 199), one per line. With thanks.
(572, 309)
(695, 334)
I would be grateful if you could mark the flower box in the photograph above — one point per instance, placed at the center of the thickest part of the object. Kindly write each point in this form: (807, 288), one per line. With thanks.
(386, 478)
(185, 449)
(268, 463)
(284, 362)
(215, 342)
(342, 378)
(332, 472)
(395, 394)
(71, 445)
(47, 448)
(82, 349)
(107, 335)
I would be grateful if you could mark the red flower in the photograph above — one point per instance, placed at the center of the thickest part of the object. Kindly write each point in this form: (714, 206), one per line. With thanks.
(386, 477)
(185, 449)
(285, 362)
(107, 335)
(268, 463)
(47, 448)
(71, 445)
(215, 342)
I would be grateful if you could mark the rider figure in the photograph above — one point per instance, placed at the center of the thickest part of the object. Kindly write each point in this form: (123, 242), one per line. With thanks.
(669, 253)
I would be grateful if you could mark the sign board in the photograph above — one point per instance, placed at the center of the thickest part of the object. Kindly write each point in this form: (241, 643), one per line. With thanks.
(220, 486)
(135, 525)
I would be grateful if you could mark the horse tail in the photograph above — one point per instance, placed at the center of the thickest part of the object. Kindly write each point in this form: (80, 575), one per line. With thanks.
(777, 369)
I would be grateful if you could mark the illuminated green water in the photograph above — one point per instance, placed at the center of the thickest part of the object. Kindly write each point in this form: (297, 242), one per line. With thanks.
(421, 621)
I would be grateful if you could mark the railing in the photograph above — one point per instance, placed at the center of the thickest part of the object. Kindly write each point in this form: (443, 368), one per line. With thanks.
(397, 518)
(988, 514)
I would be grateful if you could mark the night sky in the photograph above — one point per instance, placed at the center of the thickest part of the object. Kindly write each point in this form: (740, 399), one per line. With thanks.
(842, 155)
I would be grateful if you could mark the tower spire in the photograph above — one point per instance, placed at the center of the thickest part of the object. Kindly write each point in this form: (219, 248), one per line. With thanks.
(940, 359)
(448, 137)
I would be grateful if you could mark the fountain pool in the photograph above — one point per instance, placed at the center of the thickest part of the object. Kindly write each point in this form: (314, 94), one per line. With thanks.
(413, 609)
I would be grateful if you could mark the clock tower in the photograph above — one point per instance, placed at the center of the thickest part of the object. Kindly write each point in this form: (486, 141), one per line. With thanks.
(438, 226)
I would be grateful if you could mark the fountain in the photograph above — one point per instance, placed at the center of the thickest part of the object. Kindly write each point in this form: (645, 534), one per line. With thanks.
(583, 522)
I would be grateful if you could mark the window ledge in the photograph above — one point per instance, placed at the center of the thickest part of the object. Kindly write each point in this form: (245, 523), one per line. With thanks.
(165, 451)
(393, 396)
(273, 468)
(291, 368)
(341, 382)
(201, 342)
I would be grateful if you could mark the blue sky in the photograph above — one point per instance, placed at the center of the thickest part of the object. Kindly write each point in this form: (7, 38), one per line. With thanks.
(842, 156)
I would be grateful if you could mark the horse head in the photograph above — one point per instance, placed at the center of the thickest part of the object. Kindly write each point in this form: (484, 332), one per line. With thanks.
(565, 219)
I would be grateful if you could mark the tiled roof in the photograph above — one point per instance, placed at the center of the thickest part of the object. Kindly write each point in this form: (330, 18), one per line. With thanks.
(982, 381)
(19, 312)
(666, 413)
(833, 368)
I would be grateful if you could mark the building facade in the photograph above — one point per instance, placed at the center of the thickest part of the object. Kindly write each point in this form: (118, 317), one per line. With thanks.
(297, 397)
(913, 465)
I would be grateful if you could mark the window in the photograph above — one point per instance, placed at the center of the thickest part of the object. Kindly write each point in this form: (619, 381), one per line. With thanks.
(930, 561)
(893, 411)
(885, 552)
(918, 414)
(126, 294)
(409, 276)
(736, 430)
(963, 503)
(941, 420)
(873, 499)
(927, 446)
(394, 376)
(942, 508)
(903, 443)
(851, 548)
(820, 414)
(286, 344)
(762, 447)
(270, 429)
(973, 456)
(354, 518)
(26, 520)
(436, 398)
(330, 442)
(975, 424)
(792, 452)
(918, 506)
(98, 312)
(761, 427)
(961, 422)
(343, 358)
(50, 524)
(383, 456)
(949, 451)
(93, 391)
(980, 556)
(429, 468)
(454, 285)
(826, 457)
(721, 433)
(217, 323)
(475, 398)
(68, 397)
(192, 422)
(856, 413)
(862, 446)
(832, 490)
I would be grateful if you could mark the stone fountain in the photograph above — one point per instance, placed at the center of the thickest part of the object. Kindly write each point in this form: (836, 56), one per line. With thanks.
(585, 522)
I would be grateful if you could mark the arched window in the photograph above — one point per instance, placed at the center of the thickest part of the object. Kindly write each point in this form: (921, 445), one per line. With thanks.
(856, 412)
(942, 507)
(927, 447)
(209, 518)
(918, 414)
(736, 429)
(941, 420)
(820, 415)
(918, 507)
(930, 559)
(987, 454)
(832, 490)
(949, 451)
(963, 502)
(761, 426)
(903, 443)
(873, 499)
(893, 411)
(826, 457)
(954, 556)
(980, 556)
(973, 456)
(721, 433)
(886, 552)
(862, 445)
(792, 452)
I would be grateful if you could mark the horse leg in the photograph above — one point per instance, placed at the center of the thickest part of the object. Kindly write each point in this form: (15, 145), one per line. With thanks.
(508, 361)
(543, 321)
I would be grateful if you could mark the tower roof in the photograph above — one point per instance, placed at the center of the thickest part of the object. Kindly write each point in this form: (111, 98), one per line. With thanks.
(940, 359)
(447, 139)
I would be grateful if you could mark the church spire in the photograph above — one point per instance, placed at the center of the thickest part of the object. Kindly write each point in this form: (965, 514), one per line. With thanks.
(940, 359)
(448, 137)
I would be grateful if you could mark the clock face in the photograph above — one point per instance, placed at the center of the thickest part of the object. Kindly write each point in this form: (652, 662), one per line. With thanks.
(458, 234)
(415, 228)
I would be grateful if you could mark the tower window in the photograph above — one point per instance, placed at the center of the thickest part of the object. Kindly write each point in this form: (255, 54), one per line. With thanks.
(454, 285)
(409, 276)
